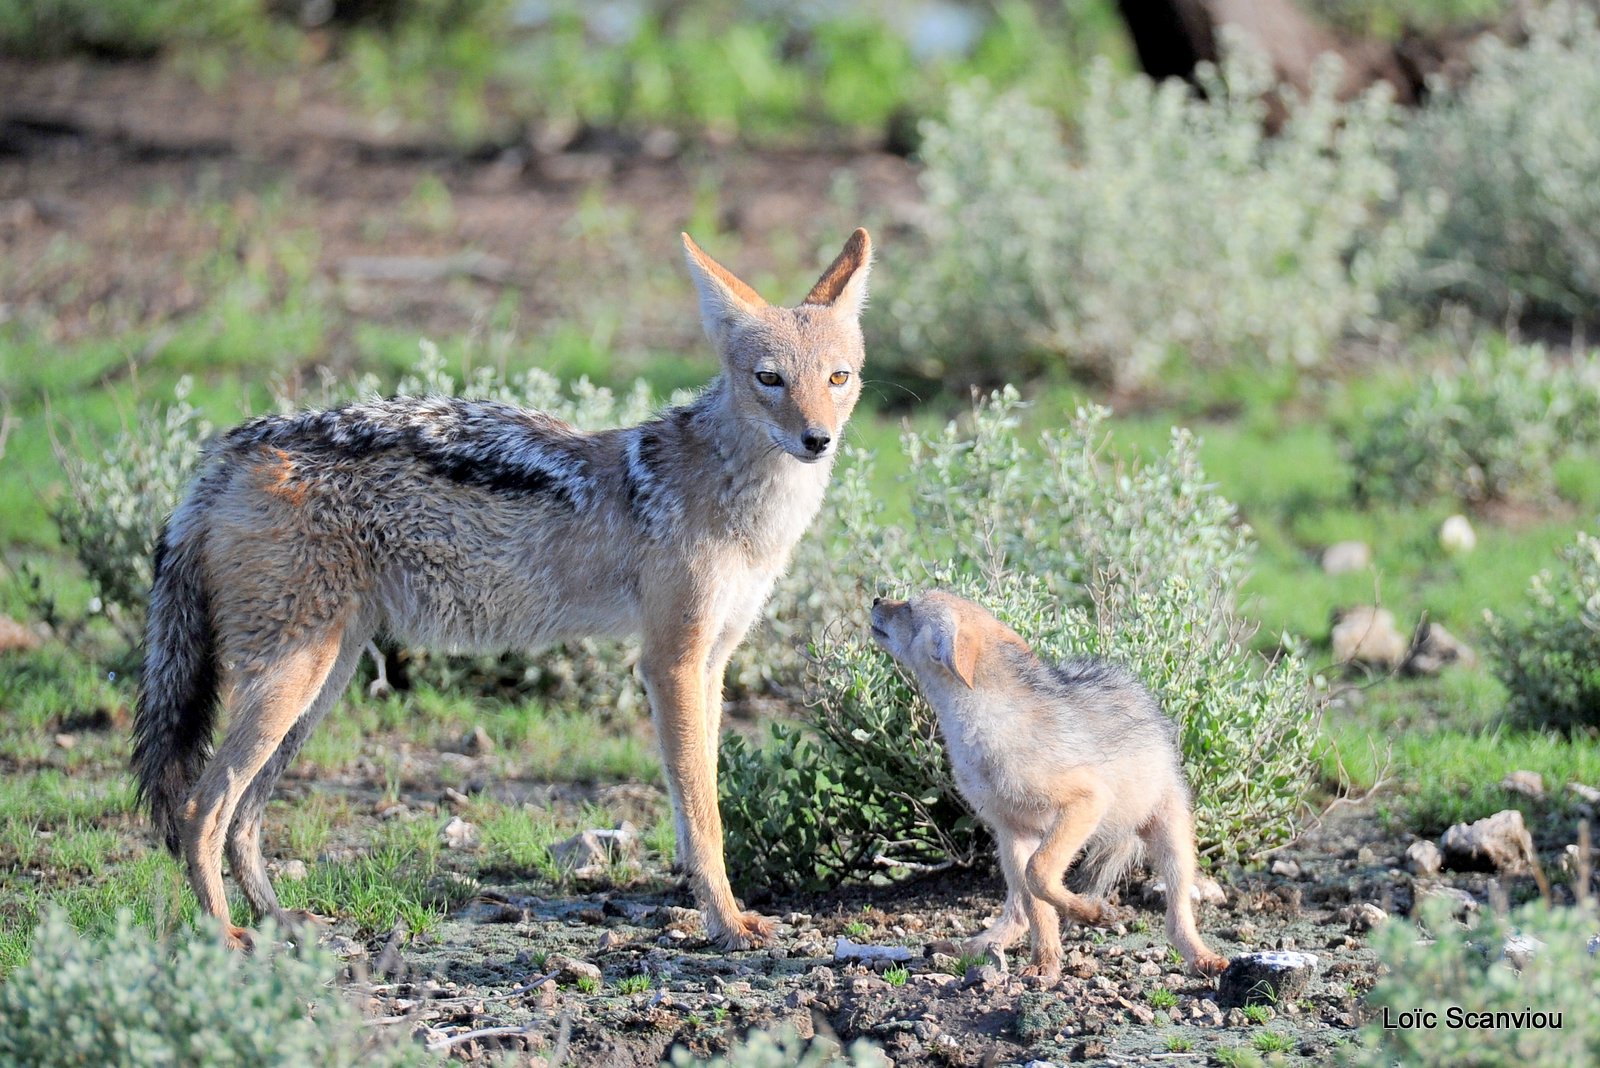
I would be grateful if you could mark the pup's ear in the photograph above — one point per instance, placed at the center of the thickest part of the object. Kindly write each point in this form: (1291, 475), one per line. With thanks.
(724, 298)
(843, 286)
(953, 649)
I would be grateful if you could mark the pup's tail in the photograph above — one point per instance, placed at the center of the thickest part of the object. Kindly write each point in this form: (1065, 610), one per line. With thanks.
(177, 707)
(1106, 861)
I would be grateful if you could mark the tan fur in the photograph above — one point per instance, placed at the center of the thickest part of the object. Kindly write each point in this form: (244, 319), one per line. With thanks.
(301, 547)
(1053, 761)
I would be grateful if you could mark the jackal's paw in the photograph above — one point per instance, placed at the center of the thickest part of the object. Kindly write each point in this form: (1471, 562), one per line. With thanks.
(1209, 965)
(1048, 972)
(748, 930)
(238, 938)
(305, 918)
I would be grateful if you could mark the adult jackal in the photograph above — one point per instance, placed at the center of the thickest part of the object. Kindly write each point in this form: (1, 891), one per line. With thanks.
(474, 525)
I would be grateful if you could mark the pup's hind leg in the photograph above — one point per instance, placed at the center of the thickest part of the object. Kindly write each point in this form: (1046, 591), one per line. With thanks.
(1046, 872)
(1170, 835)
(244, 837)
(1015, 914)
(264, 698)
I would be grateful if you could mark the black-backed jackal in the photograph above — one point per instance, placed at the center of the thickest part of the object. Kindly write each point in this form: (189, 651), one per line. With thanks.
(473, 525)
(1058, 761)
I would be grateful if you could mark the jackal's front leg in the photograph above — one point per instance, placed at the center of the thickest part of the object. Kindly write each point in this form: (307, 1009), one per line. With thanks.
(674, 671)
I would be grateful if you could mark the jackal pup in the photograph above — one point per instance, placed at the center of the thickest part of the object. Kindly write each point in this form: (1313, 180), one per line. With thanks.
(477, 525)
(1057, 761)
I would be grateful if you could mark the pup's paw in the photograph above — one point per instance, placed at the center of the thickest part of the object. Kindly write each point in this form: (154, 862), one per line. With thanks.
(1094, 912)
(748, 931)
(1209, 965)
(238, 938)
(1048, 972)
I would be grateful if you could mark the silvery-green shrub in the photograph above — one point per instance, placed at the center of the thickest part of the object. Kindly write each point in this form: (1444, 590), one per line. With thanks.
(1513, 150)
(1548, 655)
(1170, 231)
(1443, 967)
(131, 1000)
(1489, 426)
(1079, 554)
(784, 1048)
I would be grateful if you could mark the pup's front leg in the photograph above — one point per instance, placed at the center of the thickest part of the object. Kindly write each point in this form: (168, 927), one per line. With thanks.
(674, 672)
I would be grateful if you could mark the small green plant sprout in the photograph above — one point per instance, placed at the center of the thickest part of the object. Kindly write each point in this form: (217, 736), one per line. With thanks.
(1162, 998)
(1272, 1042)
(1174, 958)
(1258, 1013)
(1139, 925)
(633, 984)
(1179, 1044)
(896, 976)
(588, 984)
(968, 960)
(1237, 1057)
(719, 1014)
(857, 929)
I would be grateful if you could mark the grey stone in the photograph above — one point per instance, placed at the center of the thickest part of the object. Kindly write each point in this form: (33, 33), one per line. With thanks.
(1496, 843)
(1343, 557)
(1423, 857)
(571, 969)
(459, 834)
(1526, 783)
(1270, 978)
(1367, 635)
(846, 950)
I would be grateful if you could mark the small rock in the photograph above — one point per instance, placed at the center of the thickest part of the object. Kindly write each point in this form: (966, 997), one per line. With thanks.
(15, 638)
(588, 854)
(1423, 857)
(66, 741)
(1433, 649)
(477, 743)
(1496, 843)
(344, 947)
(1271, 978)
(571, 969)
(984, 977)
(1142, 1013)
(459, 834)
(1587, 794)
(1456, 535)
(1205, 889)
(1519, 950)
(823, 978)
(846, 950)
(1526, 783)
(1462, 904)
(1343, 557)
(799, 999)
(1287, 868)
(1367, 635)
(1236, 1018)
(1363, 917)
(293, 871)
(1090, 1050)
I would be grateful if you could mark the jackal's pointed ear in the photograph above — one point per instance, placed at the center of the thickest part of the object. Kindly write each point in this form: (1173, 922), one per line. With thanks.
(724, 299)
(843, 286)
(955, 650)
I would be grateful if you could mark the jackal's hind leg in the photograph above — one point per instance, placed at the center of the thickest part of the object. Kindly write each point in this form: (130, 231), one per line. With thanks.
(244, 836)
(1014, 918)
(264, 700)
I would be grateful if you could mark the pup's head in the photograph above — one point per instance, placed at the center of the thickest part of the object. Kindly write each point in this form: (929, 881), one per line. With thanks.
(939, 637)
(795, 373)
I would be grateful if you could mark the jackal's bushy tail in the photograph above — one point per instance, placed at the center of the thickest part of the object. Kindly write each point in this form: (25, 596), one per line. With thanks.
(177, 707)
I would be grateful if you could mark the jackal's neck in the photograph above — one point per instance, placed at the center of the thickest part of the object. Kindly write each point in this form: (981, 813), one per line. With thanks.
(765, 496)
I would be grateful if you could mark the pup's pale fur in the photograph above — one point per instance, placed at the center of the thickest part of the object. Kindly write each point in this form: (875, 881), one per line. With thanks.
(1057, 761)
(473, 525)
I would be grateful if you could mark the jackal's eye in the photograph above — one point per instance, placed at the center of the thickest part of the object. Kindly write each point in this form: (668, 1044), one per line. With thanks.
(839, 378)
(769, 378)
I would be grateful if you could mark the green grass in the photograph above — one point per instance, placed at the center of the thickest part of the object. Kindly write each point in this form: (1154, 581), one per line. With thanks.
(1272, 1042)
(1257, 1013)
(633, 984)
(1161, 998)
(896, 976)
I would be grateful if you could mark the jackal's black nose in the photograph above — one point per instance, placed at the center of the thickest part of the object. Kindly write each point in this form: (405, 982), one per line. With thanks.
(815, 441)
(876, 601)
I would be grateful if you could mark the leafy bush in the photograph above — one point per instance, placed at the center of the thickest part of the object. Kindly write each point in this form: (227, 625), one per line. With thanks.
(1488, 427)
(1512, 152)
(120, 27)
(1549, 657)
(1173, 233)
(784, 1048)
(133, 1001)
(1462, 971)
(1079, 555)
